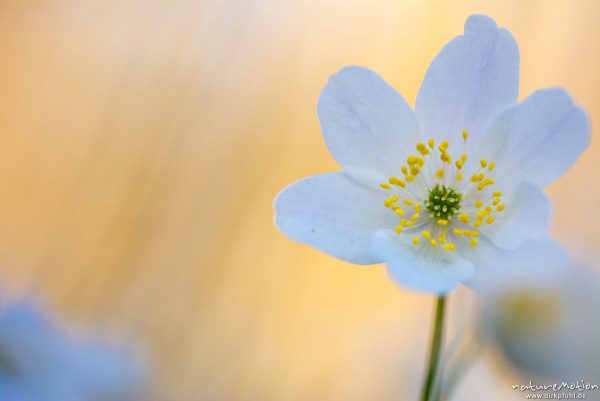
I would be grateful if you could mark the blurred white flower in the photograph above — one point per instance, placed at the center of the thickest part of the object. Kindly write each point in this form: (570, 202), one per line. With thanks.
(40, 363)
(543, 316)
(438, 191)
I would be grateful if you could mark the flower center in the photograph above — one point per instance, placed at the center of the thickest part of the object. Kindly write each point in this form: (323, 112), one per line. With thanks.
(453, 208)
(443, 202)
(524, 308)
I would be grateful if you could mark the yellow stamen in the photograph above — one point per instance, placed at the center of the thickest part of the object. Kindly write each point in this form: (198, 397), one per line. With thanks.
(443, 208)
(485, 183)
(449, 247)
(477, 177)
(422, 149)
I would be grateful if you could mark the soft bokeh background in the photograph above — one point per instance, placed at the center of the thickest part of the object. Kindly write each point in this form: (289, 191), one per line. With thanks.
(141, 146)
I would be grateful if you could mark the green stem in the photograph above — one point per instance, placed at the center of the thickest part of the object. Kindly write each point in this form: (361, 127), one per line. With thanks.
(434, 354)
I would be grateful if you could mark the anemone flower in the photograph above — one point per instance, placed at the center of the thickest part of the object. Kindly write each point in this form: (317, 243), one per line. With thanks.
(38, 362)
(541, 315)
(436, 191)
(439, 192)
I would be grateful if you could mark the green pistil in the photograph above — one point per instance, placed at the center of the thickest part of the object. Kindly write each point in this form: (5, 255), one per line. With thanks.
(443, 202)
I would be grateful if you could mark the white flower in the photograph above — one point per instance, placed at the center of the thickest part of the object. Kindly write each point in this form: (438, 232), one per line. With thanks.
(38, 362)
(437, 191)
(542, 315)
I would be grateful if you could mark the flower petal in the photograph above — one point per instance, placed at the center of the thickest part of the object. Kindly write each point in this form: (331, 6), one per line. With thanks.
(469, 82)
(333, 213)
(526, 217)
(495, 264)
(435, 271)
(366, 123)
(537, 140)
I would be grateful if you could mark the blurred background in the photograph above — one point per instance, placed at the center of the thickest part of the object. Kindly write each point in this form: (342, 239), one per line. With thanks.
(142, 144)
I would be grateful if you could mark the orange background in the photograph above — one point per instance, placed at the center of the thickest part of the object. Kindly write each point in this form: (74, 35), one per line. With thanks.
(142, 144)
